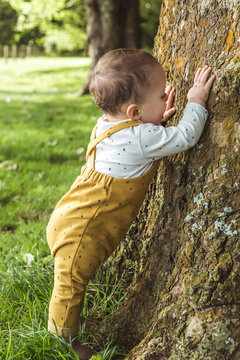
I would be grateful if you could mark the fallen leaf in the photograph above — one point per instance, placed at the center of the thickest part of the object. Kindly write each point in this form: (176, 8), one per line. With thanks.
(28, 258)
(41, 175)
(11, 167)
(80, 150)
(52, 143)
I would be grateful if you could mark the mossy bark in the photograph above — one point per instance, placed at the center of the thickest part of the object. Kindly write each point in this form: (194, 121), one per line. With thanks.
(181, 258)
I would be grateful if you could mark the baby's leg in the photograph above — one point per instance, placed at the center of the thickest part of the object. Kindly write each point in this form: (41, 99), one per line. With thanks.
(67, 302)
(67, 297)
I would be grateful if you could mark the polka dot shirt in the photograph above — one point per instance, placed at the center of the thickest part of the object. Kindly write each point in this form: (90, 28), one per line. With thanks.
(130, 152)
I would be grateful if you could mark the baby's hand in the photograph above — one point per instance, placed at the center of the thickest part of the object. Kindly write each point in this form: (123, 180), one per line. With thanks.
(202, 84)
(169, 109)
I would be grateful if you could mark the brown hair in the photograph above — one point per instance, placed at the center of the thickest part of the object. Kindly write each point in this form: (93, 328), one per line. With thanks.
(121, 75)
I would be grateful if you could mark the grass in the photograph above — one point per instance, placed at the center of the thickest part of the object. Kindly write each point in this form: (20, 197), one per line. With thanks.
(45, 128)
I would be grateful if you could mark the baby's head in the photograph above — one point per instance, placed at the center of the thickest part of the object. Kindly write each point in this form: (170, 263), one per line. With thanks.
(129, 83)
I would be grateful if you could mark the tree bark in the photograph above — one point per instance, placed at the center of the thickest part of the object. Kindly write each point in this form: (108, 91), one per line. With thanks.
(111, 24)
(181, 258)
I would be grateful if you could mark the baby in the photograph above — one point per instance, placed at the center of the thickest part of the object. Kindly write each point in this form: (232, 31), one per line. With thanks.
(122, 158)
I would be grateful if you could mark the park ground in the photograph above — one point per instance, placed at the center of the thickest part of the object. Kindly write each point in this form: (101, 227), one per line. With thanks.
(44, 131)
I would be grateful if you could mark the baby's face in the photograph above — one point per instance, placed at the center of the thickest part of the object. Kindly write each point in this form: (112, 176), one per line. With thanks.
(154, 105)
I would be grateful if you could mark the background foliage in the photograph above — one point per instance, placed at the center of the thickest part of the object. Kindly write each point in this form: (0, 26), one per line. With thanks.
(60, 25)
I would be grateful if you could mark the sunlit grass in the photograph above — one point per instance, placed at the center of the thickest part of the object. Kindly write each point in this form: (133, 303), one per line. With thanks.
(45, 128)
(25, 293)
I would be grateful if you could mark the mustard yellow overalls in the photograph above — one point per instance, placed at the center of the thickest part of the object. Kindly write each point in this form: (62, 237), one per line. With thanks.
(85, 228)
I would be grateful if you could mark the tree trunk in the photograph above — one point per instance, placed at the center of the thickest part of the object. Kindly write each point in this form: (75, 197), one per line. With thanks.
(181, 258)
(112, 24)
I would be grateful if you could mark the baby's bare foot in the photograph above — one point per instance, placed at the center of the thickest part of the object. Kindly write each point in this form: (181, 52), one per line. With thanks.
(84, 351)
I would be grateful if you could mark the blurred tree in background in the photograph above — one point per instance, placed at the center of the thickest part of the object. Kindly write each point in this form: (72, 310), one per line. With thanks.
(8, 21)
(111, 24)
(115, 24)
(149, 18)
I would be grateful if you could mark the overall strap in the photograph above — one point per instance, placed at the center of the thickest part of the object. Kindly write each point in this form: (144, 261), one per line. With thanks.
(93, 153)
(94, 141)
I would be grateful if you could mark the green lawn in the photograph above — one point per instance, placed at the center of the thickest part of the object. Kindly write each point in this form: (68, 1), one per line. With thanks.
(44, 131)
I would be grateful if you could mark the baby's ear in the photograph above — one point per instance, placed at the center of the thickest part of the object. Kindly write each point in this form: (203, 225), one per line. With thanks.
(133, 112)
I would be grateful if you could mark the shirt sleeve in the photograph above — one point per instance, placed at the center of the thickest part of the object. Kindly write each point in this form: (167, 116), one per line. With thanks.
(158, 141)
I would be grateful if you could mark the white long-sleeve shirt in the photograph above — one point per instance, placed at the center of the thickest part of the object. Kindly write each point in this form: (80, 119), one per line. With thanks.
(130, 152)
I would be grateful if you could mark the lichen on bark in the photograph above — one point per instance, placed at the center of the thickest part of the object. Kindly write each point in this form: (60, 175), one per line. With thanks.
(181, 258)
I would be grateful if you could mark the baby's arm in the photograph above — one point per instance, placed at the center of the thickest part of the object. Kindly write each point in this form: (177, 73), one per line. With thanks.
(202, 84)
(159, 141)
